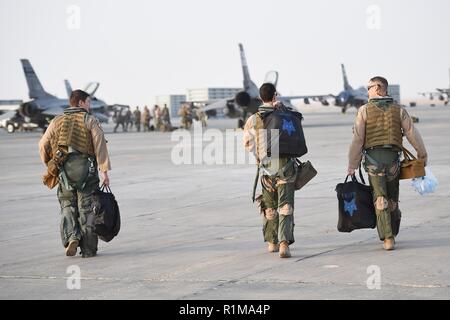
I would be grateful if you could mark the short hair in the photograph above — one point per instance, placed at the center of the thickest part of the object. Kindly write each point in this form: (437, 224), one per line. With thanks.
(76, 96)
(267, 92)
(383, 81)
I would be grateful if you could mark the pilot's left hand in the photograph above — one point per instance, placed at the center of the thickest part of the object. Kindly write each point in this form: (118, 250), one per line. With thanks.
(350, 171)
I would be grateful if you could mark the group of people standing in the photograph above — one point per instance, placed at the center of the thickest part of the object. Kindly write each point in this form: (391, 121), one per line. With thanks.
(188, 113)
(126, 118)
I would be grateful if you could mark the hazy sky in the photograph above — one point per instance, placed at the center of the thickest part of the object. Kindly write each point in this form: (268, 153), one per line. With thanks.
(139, 49)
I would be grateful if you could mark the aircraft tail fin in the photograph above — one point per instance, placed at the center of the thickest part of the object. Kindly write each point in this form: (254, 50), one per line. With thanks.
(271, 77)
(244, 64)
(68, 88)
(347, 86)
(91, 88)
(249, 86)
(35, 89)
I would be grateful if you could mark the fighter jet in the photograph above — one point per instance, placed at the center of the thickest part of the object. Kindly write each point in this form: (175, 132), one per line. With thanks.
(442, 94)
(349, 96)
(43, 106)
(247, 101)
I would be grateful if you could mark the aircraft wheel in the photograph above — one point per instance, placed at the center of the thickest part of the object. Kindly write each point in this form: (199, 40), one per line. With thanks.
(10, 128)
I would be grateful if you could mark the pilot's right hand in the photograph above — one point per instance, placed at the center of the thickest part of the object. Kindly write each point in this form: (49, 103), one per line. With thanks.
(277, 104)
(105, 178)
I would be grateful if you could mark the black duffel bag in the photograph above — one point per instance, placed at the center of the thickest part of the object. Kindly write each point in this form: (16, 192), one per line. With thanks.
(106, 215)
(356, 207)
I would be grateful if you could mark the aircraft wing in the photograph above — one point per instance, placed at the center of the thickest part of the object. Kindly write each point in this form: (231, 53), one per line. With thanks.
(312, 97)
(8, 115)
(443, 91)
(54, 111)
(430, 95)
(101, 117)
(219, 104)
(8, 105)
(361, 97)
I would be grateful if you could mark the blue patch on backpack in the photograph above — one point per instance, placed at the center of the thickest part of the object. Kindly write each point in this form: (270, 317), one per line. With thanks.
(288, 126)
(350, 203)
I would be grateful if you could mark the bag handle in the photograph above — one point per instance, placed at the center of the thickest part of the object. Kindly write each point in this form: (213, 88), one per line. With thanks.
(354, 177)
(408, 155)
(104, 188)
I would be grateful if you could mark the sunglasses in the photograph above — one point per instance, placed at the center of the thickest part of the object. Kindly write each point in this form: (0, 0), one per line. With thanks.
(370, 87)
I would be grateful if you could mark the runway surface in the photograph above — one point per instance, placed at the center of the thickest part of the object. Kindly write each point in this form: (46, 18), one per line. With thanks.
(192, 231)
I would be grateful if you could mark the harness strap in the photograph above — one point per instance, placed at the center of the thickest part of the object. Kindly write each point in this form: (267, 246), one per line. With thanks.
(379, 166)
(255, 183)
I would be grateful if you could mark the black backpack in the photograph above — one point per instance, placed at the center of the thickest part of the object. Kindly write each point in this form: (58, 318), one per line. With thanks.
(106, 215)
(292, 142)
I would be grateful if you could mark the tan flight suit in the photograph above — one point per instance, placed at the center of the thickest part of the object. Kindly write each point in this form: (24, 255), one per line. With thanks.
(377, 132)
(86, 146)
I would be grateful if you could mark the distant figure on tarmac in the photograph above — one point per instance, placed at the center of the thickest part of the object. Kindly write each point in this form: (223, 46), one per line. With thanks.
(377, 136)
(201, 116)
(73, 148)
(158, 117)
(166, 125)
(137, 119)
(129, 119)
(120, 120)
(146, 119)
(186, 116)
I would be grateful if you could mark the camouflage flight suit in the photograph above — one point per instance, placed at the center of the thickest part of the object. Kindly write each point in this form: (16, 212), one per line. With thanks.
(277, 200)
(382, 161)
(78, 179)
(384, 171)
(77, 205)
(277, 205)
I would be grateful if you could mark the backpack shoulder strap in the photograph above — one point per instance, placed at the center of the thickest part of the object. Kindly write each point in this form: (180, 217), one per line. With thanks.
(257, 117)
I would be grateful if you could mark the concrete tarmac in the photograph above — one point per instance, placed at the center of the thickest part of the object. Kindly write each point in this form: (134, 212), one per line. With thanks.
(192, 231)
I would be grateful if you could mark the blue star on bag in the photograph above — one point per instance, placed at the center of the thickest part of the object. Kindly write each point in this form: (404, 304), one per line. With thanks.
(350, 206)
(288, 126)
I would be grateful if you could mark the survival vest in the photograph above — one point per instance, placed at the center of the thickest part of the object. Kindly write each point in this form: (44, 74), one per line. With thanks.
(73, 138)
(383, 126)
